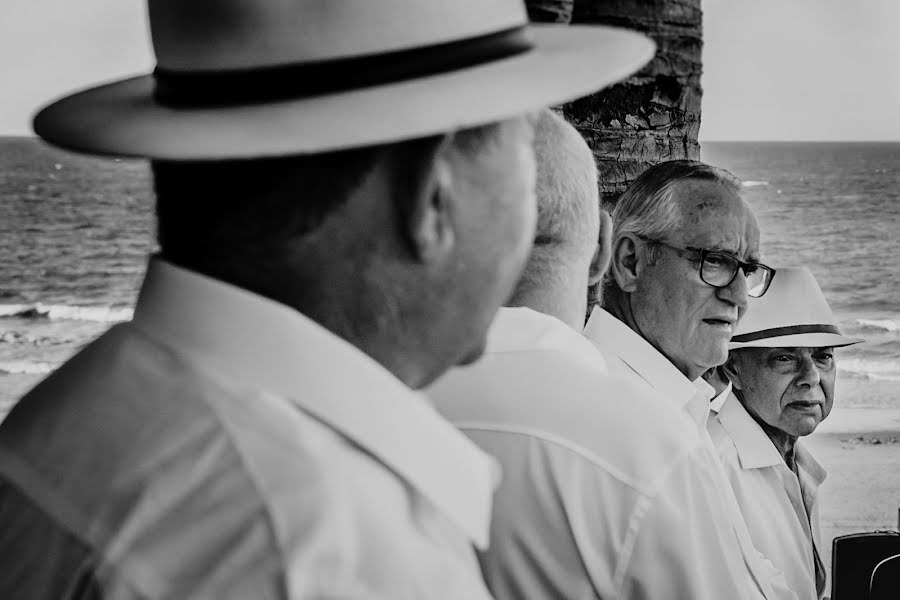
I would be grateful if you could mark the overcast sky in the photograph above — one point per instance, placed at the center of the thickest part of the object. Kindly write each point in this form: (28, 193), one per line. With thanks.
(773, 69)
(801, 70)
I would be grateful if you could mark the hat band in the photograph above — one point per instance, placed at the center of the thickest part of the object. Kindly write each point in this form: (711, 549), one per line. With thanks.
(222, 88)
(782, 331)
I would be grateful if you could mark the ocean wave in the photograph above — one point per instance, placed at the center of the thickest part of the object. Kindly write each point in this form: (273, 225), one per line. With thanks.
(15, 337)
(882, 370)
(884, 324)
(752, 183)
(62, 312)
(22, 367)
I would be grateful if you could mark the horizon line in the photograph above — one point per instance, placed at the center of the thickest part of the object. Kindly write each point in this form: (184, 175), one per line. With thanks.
(800, 141)
(701, 141)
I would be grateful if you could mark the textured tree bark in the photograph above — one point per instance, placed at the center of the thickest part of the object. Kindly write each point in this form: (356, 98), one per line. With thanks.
(654, 115)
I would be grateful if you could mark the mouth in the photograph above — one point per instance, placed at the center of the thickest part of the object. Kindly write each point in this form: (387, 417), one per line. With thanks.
(724, 324)
(805, 406)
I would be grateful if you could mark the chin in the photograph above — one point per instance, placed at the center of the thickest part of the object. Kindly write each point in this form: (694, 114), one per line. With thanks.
(714, 358)
(471, 356)
(805, 428)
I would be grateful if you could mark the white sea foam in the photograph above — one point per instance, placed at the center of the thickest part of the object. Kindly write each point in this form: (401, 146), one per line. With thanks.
(57, 312)
(22, 367)
(11, 310)
(16, 337)
(752, 183)
(883, 370)
(885, 324)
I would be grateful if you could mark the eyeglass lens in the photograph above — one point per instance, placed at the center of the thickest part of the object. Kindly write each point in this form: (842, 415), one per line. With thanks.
(719, 269)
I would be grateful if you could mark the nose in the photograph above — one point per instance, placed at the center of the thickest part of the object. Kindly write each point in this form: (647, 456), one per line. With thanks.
(809, 373)
(735, 293)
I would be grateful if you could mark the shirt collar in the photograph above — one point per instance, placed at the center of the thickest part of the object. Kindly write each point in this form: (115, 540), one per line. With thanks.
(754, 448)
(266, 344)
(612, 335)
(521, 329)
(808, 464)
(716, 403)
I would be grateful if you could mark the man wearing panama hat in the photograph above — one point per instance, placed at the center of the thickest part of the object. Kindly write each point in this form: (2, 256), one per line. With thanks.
(344, 198)
(782, 366)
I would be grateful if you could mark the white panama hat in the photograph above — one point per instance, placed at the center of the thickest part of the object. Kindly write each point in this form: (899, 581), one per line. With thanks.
(793, 313)
(256, 78)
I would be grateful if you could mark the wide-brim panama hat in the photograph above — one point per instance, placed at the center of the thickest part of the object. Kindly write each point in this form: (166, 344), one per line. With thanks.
(245, 79)
(793, 313)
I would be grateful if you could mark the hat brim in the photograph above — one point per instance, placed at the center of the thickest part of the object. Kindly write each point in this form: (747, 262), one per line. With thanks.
(123, 119)
(801, 340)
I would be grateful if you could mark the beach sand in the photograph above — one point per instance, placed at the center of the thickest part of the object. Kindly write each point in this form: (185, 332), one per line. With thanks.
(860, 449)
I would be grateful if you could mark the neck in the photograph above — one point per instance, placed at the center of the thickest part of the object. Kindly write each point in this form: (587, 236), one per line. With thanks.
(337, 295)
(554, 283)
(784, 442)
(564, 297)
(618, 304)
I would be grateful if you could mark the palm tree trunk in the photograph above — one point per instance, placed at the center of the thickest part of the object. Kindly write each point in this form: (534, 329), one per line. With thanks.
(654, 115)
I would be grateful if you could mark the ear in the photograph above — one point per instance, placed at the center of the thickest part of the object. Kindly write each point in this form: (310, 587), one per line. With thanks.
(624, 265)
(425, 199)
(731, 371)
(603, 253)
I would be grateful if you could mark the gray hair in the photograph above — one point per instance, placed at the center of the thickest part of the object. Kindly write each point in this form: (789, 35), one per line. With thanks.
(568, 198)
(568, 204)
(647, 208)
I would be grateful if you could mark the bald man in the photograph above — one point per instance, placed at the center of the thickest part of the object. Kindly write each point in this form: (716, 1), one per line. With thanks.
(602, 494)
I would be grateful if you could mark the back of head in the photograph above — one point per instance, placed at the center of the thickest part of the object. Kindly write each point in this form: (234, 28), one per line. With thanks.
(567, 192)
(362, 241)
(568, 214)
(236, 219)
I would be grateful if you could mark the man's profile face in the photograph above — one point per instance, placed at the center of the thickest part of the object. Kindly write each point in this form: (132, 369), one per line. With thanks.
(498, 212)
(689, 321)
(791, 389)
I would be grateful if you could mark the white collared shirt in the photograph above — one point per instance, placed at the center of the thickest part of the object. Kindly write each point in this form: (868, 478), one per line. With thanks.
(605, 486)
(634, 357)
(225, 446)
(716, 403)
(630, 355)
(778, 505)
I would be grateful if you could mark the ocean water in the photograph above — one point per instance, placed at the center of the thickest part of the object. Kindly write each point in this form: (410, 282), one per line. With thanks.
(835, 208)
(74, 236)
(75, 233)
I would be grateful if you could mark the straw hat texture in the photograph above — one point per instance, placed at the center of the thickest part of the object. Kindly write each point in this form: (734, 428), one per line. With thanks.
(793, 313)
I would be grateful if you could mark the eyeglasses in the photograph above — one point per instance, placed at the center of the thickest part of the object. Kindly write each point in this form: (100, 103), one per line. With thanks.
(718, 269)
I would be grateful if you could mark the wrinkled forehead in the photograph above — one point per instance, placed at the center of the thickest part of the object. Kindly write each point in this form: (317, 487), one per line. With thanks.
(717, 217)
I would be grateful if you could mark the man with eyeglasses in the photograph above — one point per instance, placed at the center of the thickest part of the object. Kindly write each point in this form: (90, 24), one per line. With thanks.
(685, 258)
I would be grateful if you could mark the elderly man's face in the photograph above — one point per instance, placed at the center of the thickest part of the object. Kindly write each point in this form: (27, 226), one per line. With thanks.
(689, 321)
(791, 389)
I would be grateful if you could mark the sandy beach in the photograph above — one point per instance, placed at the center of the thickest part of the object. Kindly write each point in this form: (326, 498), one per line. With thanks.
(860, 449)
